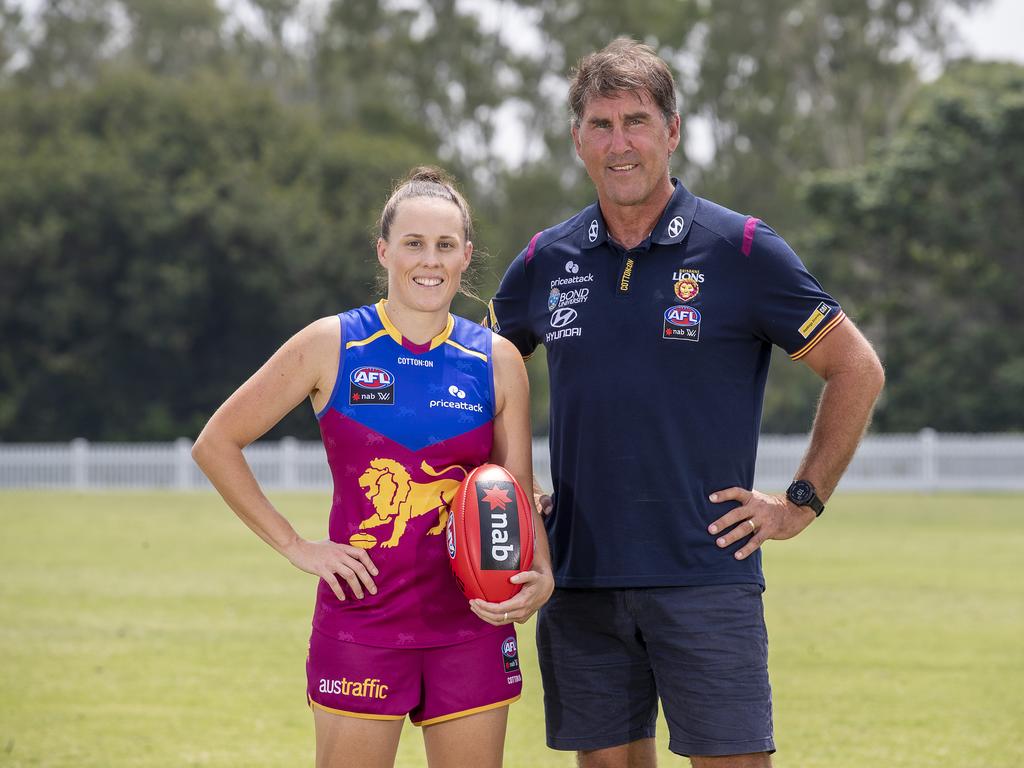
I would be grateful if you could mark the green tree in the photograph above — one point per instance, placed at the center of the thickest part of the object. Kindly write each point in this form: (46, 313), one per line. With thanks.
(159, 239)
(926, 239)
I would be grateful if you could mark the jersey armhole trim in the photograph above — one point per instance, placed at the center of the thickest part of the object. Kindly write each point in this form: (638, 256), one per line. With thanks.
(341, 368)
(493, 373)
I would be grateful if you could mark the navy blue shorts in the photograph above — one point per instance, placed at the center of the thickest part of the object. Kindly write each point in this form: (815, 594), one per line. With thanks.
(607, 656)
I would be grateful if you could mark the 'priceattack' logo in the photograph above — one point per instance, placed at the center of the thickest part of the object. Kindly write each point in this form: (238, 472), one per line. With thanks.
(459, 404)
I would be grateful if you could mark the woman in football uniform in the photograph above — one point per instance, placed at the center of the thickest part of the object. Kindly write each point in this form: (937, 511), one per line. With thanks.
(409, 399)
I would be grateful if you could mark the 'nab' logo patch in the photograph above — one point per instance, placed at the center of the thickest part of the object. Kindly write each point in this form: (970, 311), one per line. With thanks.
(370, 385)
(499, 526)
(681, 323)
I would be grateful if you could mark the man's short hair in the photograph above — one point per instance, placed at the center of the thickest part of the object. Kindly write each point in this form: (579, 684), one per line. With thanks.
(623, 65)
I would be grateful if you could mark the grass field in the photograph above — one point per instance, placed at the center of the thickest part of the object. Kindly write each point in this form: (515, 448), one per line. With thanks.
(154, 630)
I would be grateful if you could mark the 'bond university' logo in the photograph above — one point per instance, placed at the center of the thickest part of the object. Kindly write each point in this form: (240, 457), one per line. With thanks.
(592, 234)
(675, 226)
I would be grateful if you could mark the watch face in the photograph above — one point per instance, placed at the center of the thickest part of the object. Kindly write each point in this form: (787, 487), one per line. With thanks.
(800, 492)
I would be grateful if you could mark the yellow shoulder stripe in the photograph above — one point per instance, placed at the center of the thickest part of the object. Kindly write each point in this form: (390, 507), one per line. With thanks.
(367, 340)
(819, 336)
(468, 351)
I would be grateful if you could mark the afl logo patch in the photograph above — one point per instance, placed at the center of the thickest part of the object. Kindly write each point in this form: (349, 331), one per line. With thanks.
(510, 654)
(675, 227)
(681, 323)
(369, 377)
(682, 317)
(369, 385)
(562, 317)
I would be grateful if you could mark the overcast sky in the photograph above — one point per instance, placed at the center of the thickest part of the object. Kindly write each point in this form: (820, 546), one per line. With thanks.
(995, 31)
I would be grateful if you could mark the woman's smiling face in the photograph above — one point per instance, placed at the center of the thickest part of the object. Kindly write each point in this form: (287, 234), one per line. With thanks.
(425, 254)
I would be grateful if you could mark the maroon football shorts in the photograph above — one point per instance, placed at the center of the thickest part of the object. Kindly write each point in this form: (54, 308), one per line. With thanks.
(430, 685)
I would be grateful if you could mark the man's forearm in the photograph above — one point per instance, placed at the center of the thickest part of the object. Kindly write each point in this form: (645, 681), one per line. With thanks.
(844, 412)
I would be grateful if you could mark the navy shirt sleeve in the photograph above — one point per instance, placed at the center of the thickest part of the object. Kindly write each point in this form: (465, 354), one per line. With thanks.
(790, 307)
(510, 307)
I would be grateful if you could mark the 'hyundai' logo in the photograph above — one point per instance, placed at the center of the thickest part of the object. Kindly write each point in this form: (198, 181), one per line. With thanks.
(562, 317)
(675, 226)
(593, 230)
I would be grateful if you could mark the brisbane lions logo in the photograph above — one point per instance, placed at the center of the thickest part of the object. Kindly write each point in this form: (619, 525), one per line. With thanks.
(687, 288)
(397, 499)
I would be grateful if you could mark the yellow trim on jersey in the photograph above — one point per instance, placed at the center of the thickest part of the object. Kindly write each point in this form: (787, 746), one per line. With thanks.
(389, 327)
(396, 334)
(442, 337)
(468, 351)
(820, 335)
(360, 715)
(466, 712)
(367, 340)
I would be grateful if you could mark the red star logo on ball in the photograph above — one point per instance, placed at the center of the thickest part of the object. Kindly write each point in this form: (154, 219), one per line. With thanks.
(496, 497)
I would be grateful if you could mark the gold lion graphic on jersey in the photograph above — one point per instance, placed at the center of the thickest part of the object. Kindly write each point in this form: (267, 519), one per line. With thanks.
(397, 499)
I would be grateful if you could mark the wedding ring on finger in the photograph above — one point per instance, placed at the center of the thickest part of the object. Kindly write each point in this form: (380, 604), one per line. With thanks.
(753, 527)
(505, 617)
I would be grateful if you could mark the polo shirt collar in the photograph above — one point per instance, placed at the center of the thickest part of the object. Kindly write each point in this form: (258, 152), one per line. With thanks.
(677, 217)
(594, 231)
(671, 228)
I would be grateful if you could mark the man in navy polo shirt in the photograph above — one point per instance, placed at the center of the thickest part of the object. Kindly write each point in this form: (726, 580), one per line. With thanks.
(658, 311)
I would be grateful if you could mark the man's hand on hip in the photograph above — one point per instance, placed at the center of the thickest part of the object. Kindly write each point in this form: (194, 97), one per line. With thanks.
(760, 516)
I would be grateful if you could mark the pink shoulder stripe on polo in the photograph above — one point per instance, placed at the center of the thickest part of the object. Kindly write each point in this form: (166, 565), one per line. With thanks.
(748, 235)
(532, 246)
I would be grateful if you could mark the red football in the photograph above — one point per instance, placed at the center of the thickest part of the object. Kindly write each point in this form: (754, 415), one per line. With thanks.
(490, 533)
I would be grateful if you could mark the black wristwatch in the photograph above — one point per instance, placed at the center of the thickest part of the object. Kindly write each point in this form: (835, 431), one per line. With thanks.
(802, 494)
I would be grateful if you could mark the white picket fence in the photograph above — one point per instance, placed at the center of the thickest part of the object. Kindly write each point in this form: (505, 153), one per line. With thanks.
(926, 461)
